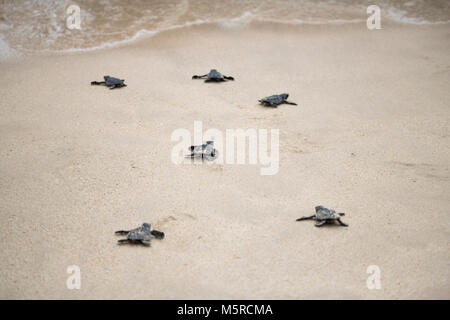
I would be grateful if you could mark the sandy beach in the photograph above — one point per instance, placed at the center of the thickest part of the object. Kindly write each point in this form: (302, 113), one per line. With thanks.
(369, 137)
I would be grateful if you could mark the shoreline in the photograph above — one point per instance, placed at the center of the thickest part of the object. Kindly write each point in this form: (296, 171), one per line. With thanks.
(143, 37)
(369, 138)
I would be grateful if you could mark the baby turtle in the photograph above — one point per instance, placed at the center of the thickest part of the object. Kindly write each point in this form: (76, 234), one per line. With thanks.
(110, 82)
(324, 215)
(143, 234)
(204, 151)
(213, 76)
(275, 100)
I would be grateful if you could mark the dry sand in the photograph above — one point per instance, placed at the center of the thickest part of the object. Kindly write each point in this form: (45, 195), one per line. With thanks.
(370, 137)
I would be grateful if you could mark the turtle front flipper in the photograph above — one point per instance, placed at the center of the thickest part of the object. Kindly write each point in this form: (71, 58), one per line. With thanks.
(229, 78)
(193, 155)
(124, 241)
(199, 77)
(320, 223)
(146, 243)
(341, 223)
(97, 83)
(306, 218)
(122, 232)
(292, 103)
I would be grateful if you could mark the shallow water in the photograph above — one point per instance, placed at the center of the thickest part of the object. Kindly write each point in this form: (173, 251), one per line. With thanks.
(40, 25)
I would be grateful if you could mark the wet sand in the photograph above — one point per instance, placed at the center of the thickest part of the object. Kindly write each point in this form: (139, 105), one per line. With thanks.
(370, 137)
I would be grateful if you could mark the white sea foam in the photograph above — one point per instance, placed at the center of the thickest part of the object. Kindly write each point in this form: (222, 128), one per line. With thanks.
(333, 21)
(5, 51)
(112, 44)
(400, 16)
(241, 20)
(140, 34)
(245, 18)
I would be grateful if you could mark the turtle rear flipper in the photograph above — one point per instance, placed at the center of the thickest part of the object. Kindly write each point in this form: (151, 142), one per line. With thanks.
(320, 223)
(193, 155)
(130, 241)
(97, 83)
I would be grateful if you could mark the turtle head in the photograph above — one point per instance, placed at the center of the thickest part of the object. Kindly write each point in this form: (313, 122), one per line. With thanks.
(318, 208)
(213, 70)
(284, 96)
(146, 225)
(341, 214)
(210, 142)
(157, 234)
(106, 77)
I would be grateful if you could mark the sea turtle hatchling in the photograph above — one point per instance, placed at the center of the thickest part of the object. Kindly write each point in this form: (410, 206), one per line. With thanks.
(143, 234)
(275, 100)
(204, 151)
(213, 76)
(110, 82)
(324, 215)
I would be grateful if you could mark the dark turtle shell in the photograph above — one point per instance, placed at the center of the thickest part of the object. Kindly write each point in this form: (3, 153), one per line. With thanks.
(113, 81)
(215, 75)
(323, 213)
(203, 147)
(141, 233)
(206, 151)
(275, 99)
